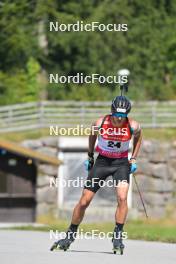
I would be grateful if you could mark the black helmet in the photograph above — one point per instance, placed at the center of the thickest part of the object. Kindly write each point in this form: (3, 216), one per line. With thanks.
(120, 104)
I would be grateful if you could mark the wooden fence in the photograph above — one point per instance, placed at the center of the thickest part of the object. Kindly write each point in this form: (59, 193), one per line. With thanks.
(36, 115)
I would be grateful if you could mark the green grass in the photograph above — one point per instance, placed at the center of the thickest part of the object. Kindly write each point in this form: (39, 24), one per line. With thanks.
(153, 133)
(151, 230)
(20, 136)
(165, 134)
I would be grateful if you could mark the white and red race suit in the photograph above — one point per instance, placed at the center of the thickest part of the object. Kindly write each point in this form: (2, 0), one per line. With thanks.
(113, 142)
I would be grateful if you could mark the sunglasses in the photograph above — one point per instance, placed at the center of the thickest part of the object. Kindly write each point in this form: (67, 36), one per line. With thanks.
(119, 115)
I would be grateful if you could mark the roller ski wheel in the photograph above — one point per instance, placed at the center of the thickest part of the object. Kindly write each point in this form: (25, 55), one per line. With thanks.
(118, 251)
(56, 246)
(62, 244)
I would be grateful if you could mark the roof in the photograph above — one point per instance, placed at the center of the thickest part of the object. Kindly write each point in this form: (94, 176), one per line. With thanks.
(18, 149)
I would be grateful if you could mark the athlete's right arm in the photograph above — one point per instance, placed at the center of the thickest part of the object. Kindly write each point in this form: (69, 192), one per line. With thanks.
(93, 135)
(92, 140)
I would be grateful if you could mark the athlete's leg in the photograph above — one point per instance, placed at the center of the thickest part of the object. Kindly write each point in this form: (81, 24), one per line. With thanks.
(122, 207)
(100, 171)
(120, 217)
(121, 178)
(78, 214)
(79, 210)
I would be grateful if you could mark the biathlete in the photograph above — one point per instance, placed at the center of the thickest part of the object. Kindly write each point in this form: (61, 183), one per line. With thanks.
(113, 137)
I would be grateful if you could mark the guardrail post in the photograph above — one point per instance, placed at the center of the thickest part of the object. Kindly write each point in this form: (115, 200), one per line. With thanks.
(10, 117)
(41, 114)
(154, 115)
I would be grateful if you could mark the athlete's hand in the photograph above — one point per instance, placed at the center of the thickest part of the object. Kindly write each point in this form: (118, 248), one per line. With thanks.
(133, 165)
(89, 162)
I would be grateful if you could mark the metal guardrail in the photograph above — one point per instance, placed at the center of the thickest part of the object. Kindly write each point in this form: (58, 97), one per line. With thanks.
(19, 117)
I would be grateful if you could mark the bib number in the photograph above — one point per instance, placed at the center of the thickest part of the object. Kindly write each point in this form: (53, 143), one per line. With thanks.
(112, 144)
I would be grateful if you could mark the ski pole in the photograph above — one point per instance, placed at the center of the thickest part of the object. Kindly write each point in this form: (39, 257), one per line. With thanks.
(140, 196)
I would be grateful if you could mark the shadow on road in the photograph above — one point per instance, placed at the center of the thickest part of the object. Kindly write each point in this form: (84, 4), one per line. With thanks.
(91, 251)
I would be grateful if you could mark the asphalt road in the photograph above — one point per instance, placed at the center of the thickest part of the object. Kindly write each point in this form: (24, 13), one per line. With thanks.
(26, 247)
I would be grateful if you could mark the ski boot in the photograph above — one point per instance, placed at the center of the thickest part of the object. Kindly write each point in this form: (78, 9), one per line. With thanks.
(64, 244)
(118, 245)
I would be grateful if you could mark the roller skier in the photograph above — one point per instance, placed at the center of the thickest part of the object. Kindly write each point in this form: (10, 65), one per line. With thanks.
(112, 147)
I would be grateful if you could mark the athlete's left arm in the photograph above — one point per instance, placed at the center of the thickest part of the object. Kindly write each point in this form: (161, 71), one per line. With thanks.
(137, 138)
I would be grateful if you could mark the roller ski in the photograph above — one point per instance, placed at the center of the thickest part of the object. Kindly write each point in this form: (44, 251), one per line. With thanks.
(64, 244)
(118, 245)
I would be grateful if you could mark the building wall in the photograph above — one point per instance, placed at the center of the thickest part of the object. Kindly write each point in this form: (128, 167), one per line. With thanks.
(156, 176)
(46, 197)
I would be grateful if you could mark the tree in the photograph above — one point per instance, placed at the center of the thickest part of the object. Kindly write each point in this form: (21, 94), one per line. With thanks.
(29, 52)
